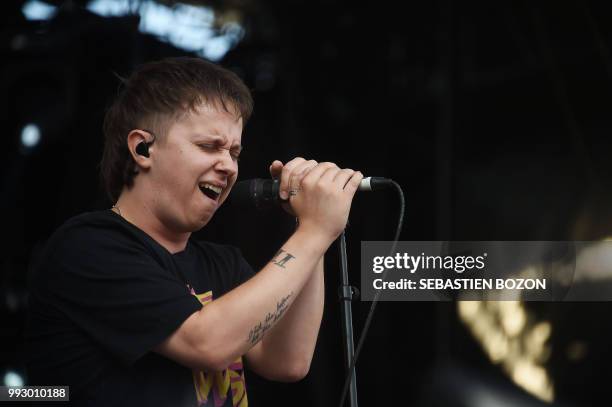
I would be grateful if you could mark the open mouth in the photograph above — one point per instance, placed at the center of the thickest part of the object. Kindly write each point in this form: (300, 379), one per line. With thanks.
(211, 191)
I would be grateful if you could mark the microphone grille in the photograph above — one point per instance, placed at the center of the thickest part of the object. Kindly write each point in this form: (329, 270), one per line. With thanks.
(255, 193)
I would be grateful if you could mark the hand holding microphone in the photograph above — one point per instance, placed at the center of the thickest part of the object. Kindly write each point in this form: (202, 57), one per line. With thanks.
(319, 194)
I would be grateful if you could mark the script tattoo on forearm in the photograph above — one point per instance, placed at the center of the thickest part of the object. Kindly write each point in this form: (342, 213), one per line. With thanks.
(258, 330)
(281, 258)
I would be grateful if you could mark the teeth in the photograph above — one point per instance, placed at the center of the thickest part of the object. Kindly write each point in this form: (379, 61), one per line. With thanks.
(213, 188)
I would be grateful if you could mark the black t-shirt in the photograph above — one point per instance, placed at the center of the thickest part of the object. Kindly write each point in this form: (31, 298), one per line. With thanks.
(104, 294)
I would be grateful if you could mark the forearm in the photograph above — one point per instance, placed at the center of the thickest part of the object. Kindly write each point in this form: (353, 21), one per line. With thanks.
(291, 343)
(242, 316)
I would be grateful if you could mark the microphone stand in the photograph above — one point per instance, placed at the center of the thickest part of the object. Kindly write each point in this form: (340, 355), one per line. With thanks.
(347, 293)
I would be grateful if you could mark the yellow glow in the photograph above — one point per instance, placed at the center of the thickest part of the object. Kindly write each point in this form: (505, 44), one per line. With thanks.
(511, 338)
(469, 309)
(512, 317)
(533, 379)
(497, 346)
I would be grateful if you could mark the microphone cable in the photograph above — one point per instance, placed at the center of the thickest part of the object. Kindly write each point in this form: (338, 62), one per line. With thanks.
(368, 321)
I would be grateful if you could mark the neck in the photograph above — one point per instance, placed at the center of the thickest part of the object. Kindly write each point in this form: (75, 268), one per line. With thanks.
(139, 213)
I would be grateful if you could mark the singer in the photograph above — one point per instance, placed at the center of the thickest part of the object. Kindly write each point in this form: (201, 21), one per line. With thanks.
(127, 309)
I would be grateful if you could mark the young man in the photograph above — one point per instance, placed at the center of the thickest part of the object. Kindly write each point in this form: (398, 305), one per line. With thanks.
(122, 307)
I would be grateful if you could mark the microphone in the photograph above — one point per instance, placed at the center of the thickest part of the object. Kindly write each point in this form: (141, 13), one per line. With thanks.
(263, 193)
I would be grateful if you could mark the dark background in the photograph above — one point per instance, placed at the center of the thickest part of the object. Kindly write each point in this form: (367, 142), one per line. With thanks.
(494, 117)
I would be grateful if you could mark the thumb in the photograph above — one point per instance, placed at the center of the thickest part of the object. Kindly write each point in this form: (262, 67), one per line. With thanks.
(276, 168)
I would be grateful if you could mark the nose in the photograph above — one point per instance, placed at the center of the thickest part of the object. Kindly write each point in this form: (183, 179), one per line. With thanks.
(225, 162)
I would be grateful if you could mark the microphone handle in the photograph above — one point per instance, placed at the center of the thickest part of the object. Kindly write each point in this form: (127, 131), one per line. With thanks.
(367, 184)
(264, 193)
(374, 184)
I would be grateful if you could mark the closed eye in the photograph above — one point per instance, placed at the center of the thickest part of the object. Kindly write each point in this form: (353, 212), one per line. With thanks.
(235, 153)
(209, 147)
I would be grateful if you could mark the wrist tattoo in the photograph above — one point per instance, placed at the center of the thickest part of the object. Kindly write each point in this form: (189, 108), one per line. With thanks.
(281, 258)
(258, 330)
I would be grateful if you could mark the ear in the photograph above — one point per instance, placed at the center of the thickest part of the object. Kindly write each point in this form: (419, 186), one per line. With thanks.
(134, 138)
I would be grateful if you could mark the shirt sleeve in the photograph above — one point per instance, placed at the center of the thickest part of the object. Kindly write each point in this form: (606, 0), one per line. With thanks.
(115, 289)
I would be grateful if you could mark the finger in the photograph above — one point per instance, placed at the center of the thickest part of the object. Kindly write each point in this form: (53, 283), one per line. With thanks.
(276, 168)
(353, 183)
(315, 174)
(343, 177)
(329, 175)
(285, 176)
(299, 172)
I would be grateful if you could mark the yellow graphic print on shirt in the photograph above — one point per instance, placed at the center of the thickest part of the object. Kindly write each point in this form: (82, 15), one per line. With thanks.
(218, 384)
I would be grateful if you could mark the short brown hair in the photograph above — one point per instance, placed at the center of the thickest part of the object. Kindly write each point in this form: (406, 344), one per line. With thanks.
(157, 93)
